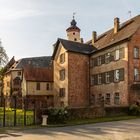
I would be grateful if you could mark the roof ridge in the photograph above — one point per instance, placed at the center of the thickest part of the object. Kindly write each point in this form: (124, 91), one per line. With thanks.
(123, 23)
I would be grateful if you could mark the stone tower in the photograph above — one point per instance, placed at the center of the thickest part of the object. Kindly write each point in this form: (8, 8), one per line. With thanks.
(73, 32)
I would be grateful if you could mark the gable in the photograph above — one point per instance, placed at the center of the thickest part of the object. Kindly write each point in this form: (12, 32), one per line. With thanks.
(59, 51)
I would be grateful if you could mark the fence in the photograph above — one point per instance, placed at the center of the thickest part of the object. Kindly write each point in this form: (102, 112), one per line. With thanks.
(16, 111)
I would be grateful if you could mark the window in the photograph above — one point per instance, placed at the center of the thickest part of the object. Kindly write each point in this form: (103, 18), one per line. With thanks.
(8, 84)
(19, 73)
(92, 80)
(99, 61)
(99, 79)
(107, 99)
(116, 98)
(136, 52)
(75, 39)
(107, 77)
(122, 50)
(37, 86)
(47, 86)
(16, 89)
(16, 81)
(62, 58)
(116, 76)
(117, 55)
(107, 58)
(73, 33)
(136, 74)
(62, 92)
(62, 74)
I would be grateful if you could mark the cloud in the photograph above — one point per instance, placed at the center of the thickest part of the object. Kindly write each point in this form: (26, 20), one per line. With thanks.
(6, 15)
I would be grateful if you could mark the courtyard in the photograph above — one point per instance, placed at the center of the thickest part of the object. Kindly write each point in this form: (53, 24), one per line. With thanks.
(118, 130)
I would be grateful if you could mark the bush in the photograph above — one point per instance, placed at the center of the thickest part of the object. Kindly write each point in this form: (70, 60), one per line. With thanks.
(57, 115)
(134, 110)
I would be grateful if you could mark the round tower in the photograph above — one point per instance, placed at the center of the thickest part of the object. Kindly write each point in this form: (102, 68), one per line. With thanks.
(73, 32)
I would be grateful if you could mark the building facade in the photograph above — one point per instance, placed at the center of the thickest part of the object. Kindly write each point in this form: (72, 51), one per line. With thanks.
(104, 70)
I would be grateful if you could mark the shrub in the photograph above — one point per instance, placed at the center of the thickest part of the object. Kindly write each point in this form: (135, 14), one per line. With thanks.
(57, 115)
(134, 110)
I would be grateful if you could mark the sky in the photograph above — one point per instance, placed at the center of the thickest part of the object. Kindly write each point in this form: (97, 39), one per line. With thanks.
(29, 28)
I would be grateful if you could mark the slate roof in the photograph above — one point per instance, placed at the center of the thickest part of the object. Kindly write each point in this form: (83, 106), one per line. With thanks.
(44, 61)
(126, 30)
(38, 74)
(76, 47)
(73, 26)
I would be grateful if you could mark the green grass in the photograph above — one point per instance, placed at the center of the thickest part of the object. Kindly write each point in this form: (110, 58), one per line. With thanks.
(9, 116)
(99, 120)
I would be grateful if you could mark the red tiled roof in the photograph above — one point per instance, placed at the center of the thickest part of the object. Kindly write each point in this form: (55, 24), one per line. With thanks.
(38, 74)
(126, 30)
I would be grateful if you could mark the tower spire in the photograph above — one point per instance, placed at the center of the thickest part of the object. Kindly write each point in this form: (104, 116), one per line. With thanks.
(73, 32)
(74, 13)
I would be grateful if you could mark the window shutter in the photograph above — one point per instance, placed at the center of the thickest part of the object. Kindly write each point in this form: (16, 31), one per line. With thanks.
(121, 74)
(112, 56)
(95, 62)
(111, 77)
(95, 79)
(103, 78)
(103, 59)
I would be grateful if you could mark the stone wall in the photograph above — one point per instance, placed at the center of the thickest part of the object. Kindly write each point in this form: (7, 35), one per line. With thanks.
(78, 80)
(120, 87)
(133, 62)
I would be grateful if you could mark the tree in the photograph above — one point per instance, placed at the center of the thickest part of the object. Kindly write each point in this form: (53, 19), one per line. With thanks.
(3, 56)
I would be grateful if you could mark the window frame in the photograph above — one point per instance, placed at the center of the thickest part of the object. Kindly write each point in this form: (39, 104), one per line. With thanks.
(62, 74)
(99, 79)
(62, 58)
(108, 98)
(117, 54)
(117, 98)
(136, 74)
(47, 86)
(116, 79)
(136, 52)
(62, 92)
(99, 60)
(107, 77)
(38, 87)
(92, 80)
(107, 58)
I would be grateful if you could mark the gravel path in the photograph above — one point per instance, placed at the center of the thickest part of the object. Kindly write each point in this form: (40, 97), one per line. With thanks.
(120, 130)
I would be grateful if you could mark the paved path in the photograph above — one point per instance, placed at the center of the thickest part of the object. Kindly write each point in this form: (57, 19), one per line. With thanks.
(122, 130)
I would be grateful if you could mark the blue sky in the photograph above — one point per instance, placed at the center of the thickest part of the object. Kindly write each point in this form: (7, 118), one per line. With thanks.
(30, 27)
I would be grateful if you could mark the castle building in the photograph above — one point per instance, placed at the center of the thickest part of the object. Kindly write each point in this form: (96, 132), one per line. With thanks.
(104, 70)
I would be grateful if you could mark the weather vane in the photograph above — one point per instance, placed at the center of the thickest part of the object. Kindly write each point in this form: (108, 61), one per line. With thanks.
(74, 13)
(130, 13)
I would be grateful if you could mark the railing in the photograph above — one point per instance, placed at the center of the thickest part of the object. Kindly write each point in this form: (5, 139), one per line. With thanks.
(17, 111)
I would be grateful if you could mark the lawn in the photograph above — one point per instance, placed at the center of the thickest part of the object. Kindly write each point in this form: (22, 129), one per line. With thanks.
(99, 120)
(9, 116)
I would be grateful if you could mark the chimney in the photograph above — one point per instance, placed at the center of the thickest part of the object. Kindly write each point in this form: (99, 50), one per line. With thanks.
(82, 41)
(116, 25)
(94, 37)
